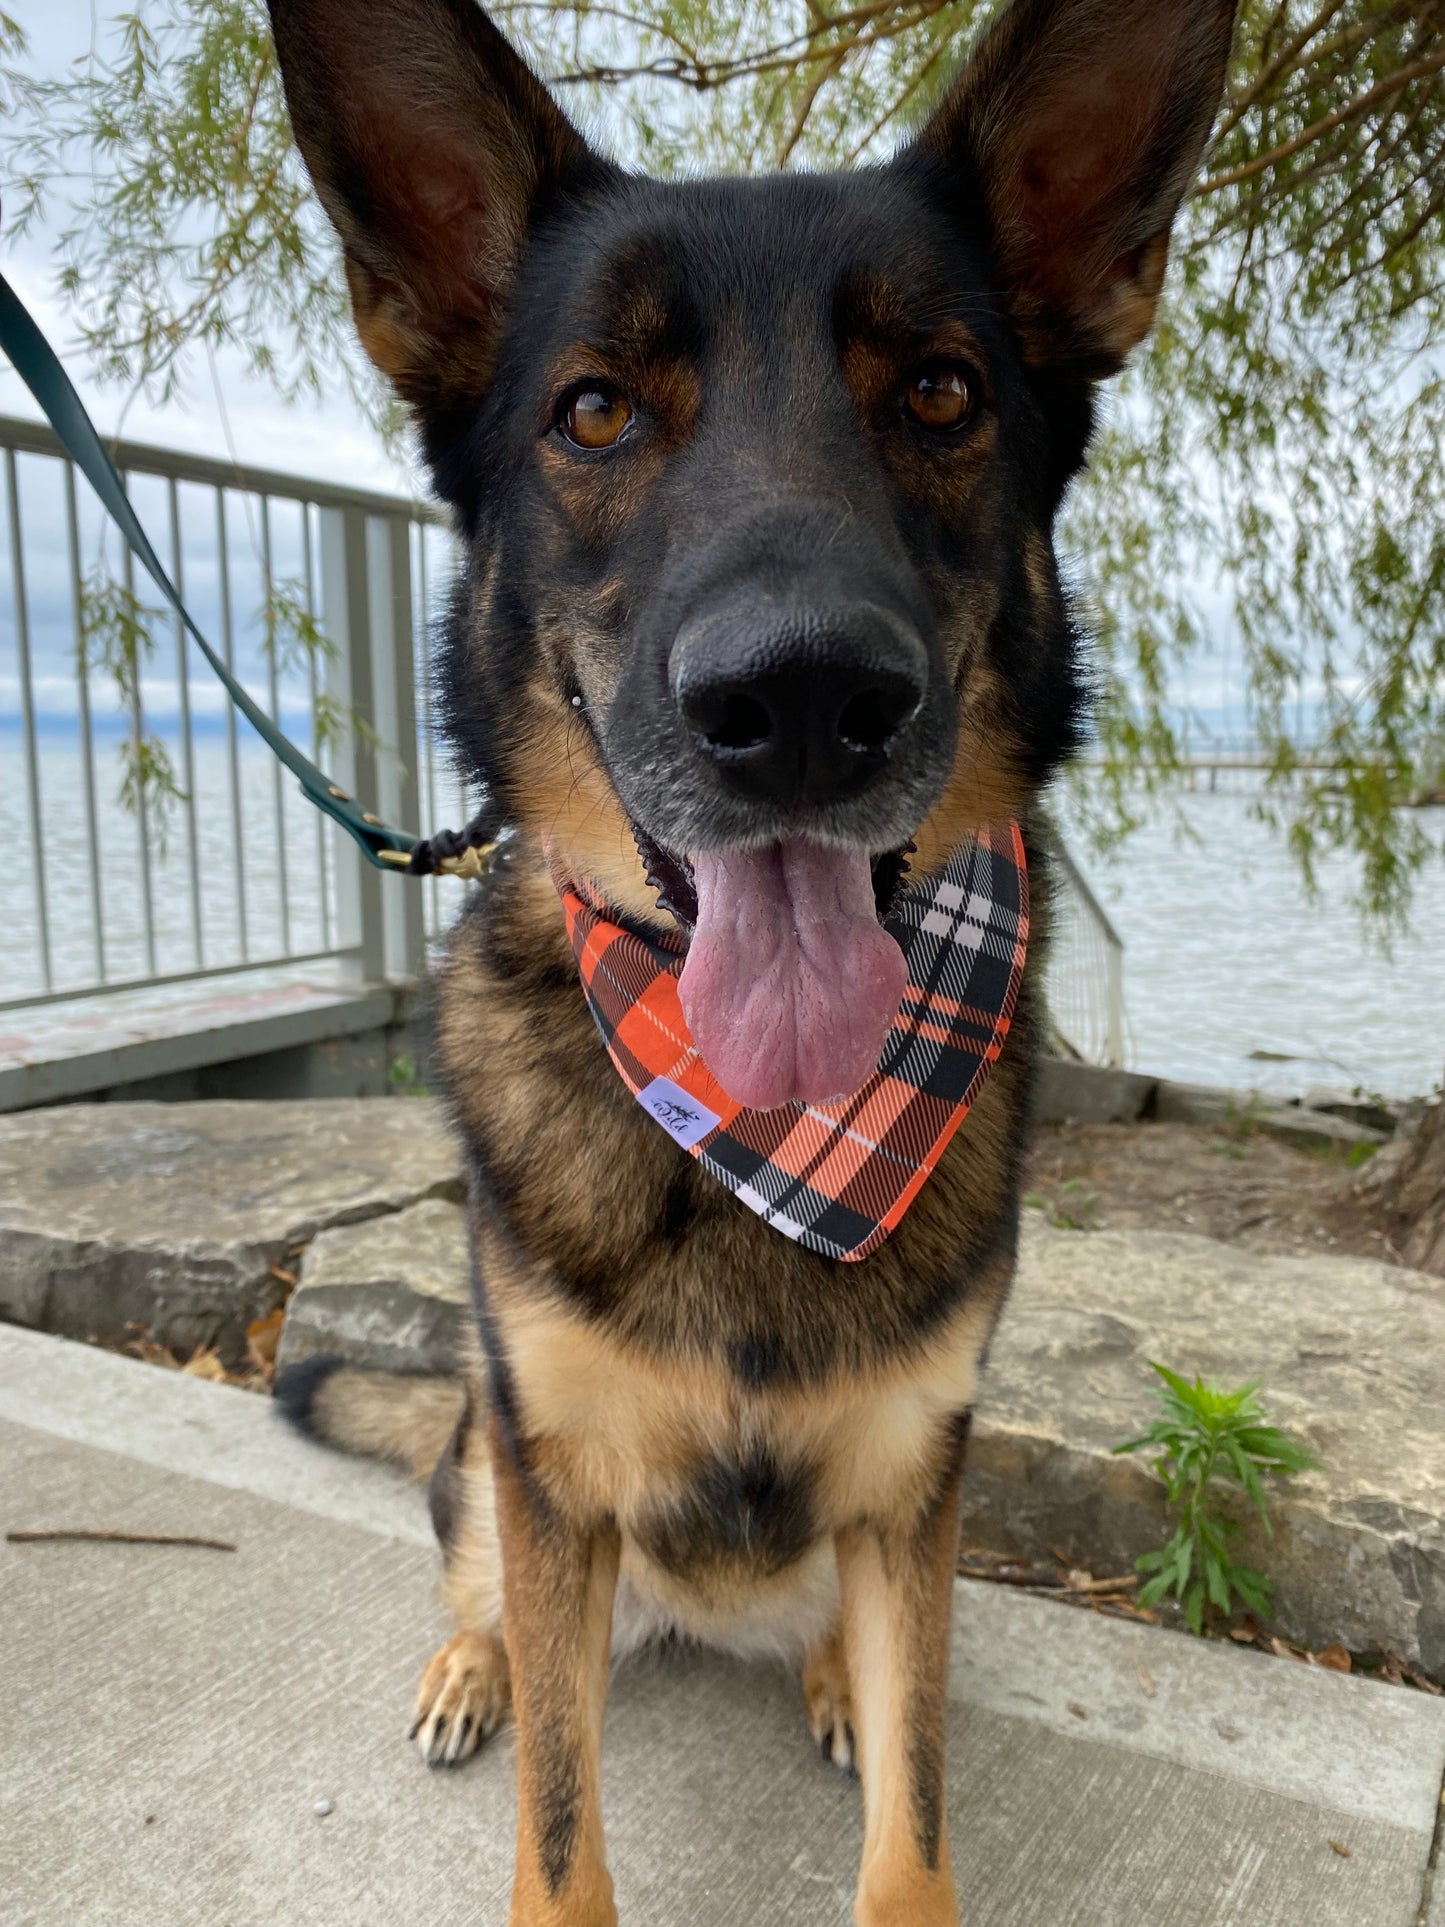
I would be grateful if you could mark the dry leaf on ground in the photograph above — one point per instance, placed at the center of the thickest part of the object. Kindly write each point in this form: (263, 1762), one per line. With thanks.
(149, 1350)
(1122, 1609)
(205, 1362)
(1284, 1651)
(263, 1335)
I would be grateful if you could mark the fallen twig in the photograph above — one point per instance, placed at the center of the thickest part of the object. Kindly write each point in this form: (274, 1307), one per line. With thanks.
(1014, 1576)
(1126, 1582)
(1073, 1579)
(118, 1538)
(1117, 1609)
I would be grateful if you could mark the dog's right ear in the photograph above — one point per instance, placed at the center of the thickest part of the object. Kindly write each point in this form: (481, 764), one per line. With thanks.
(431, 145)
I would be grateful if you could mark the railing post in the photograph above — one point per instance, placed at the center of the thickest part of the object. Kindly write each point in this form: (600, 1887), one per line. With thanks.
(388, 545)
(351, 757)
(1106, 943)
(1114, 980)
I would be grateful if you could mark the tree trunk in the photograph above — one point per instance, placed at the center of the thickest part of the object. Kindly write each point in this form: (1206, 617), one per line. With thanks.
(1416, 1193)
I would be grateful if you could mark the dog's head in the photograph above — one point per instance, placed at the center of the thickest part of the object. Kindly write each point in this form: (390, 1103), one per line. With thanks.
(758, 477)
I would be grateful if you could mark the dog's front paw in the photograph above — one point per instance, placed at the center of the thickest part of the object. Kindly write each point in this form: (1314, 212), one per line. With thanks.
(463, 1698)
(829, 1700)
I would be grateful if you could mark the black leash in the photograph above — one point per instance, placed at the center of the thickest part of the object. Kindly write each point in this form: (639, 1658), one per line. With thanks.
(450, 852)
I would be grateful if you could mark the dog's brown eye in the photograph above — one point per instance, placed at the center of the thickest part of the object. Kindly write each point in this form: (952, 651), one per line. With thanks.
(596, 417)
(940, 396)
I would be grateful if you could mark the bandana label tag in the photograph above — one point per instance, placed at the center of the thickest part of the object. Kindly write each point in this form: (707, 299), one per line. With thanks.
(680, 1115)
(839, 1177)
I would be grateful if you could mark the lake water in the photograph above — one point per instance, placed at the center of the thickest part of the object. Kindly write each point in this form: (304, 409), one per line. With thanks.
(1225, 953)
(271, 895)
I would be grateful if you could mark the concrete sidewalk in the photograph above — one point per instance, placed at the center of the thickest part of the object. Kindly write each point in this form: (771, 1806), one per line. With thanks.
(169, 1719)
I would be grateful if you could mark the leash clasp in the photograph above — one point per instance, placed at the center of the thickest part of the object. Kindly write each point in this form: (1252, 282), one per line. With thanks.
(472, 864)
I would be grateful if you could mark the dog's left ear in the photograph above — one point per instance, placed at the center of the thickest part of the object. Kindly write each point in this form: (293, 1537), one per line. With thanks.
(1082, 124)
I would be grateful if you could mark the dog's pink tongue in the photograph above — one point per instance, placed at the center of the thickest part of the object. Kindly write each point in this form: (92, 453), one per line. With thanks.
(790, 983)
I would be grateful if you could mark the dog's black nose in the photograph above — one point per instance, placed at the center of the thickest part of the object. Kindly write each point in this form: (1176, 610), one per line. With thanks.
(798, 706)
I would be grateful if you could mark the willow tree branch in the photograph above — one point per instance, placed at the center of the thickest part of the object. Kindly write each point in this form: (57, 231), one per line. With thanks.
(1242, 101)
(636, 22)
(825, 71)
(784, 56)
(1351, 110)
(891, 114)
(1387, 138)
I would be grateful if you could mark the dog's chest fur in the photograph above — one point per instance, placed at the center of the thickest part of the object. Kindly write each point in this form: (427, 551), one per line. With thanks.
(658, 1354)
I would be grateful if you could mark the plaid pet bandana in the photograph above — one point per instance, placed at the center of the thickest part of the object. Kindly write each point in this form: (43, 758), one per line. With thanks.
(837, 1177)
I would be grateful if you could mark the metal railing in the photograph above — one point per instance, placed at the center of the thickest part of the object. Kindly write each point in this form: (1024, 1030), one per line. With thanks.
(224, 868)
(1085, 971)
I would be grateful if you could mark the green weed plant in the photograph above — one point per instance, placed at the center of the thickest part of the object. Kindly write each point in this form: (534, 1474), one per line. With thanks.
(1209, 1443)
(1073, 1207)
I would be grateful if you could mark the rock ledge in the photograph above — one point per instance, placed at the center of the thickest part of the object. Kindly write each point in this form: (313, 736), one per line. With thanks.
(172, 1216)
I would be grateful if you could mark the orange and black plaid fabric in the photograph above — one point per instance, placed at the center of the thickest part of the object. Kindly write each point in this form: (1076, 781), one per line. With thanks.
(837, 1177)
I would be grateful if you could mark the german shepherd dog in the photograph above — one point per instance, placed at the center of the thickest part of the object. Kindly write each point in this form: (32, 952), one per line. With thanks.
(755, 482)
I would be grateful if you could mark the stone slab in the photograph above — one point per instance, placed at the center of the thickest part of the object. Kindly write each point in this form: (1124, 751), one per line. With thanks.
(1091, 1093)
(1353, 1357)
(1297, 1124)
(172, 1215)
(391, 1292)
(289, 1666)
(82, 1045)
(1376, 1114)
(1370, 1751)
(1323, 1120)
(229, 1438)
